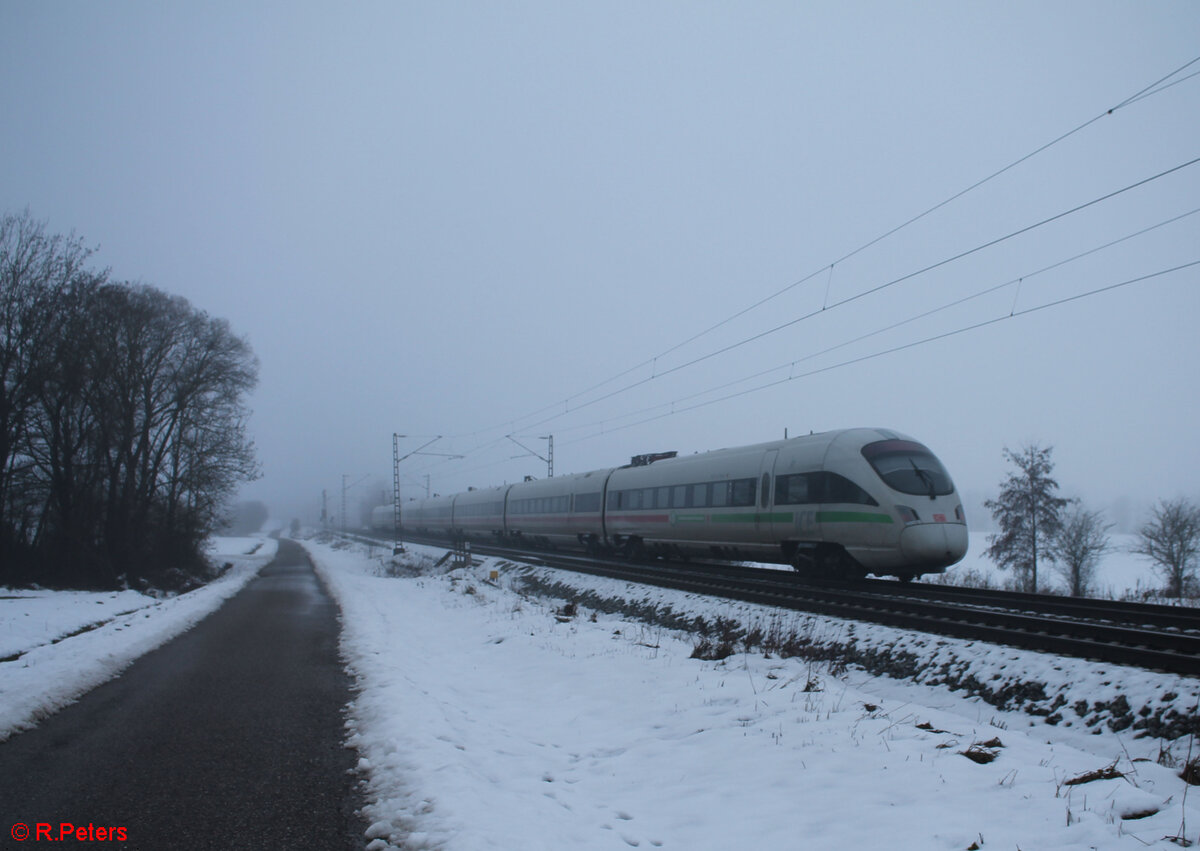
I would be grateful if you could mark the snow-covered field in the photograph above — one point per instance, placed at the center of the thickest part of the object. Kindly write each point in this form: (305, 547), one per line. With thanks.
(488, 718)
(1120, 574)
(57, 645)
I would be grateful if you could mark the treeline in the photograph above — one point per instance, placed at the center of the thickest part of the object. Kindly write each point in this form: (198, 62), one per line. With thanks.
(122, 420)
(1038, 527)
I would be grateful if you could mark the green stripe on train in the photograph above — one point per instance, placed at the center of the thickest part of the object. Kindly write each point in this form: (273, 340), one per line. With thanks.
(778, 517)
(852, 517)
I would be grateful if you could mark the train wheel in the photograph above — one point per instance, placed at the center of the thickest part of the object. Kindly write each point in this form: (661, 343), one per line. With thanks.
(829, 562)
(804, 561)
(634, 549)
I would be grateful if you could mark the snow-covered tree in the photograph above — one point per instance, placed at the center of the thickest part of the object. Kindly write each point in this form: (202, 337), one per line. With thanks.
(1077, 548)
(1171, 539)
(1028, 514)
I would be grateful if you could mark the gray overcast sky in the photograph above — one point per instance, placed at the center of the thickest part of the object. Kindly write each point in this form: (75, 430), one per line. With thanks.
(457, 218)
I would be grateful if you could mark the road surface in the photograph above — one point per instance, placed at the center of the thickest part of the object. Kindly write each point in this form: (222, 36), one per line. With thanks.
(228, 737)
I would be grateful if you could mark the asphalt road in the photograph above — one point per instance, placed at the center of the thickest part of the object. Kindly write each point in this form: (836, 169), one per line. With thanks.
(228, 737)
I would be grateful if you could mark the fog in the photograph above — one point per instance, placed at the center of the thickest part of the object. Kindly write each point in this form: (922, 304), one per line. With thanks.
(643, 227)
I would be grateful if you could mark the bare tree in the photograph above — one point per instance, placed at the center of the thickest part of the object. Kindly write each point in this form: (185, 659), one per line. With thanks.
(35, 268)
(1078, 547)
(1171, 539)
(122, 419)
(173, 427)
(1027, 512)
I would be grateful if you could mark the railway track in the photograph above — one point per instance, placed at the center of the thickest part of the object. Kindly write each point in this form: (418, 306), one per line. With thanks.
(1165, 638)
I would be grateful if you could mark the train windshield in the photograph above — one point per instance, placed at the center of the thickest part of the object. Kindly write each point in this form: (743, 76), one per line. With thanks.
(908, 467)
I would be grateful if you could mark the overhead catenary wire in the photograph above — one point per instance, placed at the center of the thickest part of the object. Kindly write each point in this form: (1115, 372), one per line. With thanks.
(1015, 283)
(871, 291)
(1158, 86)
(1013, 312)
(571, 405)
(674, 408)
(677, 405)
(899, 348)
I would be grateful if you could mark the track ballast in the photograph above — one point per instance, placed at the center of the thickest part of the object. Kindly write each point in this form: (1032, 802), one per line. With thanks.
(1154, 637)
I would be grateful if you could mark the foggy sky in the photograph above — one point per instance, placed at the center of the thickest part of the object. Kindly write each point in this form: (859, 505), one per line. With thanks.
(463, 219)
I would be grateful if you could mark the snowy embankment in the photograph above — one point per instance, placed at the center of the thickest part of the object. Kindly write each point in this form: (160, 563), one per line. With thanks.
(57, 645)
(489, 716)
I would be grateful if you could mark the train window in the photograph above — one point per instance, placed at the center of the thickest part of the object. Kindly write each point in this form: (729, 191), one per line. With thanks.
(908, 467)
(587, 502)
(720, 494)
(840, 489)
(664, 498)
(699, 496)
(679, 496)
(741, 492)
(792, 490)
(821, 487)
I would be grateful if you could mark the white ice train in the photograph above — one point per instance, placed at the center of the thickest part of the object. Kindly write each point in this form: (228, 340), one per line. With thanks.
(842, 503)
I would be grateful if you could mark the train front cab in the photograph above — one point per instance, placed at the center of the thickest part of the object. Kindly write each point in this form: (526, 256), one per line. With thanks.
(862, 502)
(933, 534)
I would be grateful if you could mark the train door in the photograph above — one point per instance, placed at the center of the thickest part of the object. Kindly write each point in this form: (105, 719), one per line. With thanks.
(765, 524)
(604, 541)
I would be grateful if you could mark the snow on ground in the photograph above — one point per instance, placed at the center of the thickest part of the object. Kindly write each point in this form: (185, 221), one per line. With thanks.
(57, 645)
(488, 718)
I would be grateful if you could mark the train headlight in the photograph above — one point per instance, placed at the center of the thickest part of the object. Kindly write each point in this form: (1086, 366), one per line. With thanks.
(908, 515)
(959, 515)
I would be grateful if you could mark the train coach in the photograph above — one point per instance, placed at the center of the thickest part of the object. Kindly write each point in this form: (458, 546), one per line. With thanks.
(841, 503)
